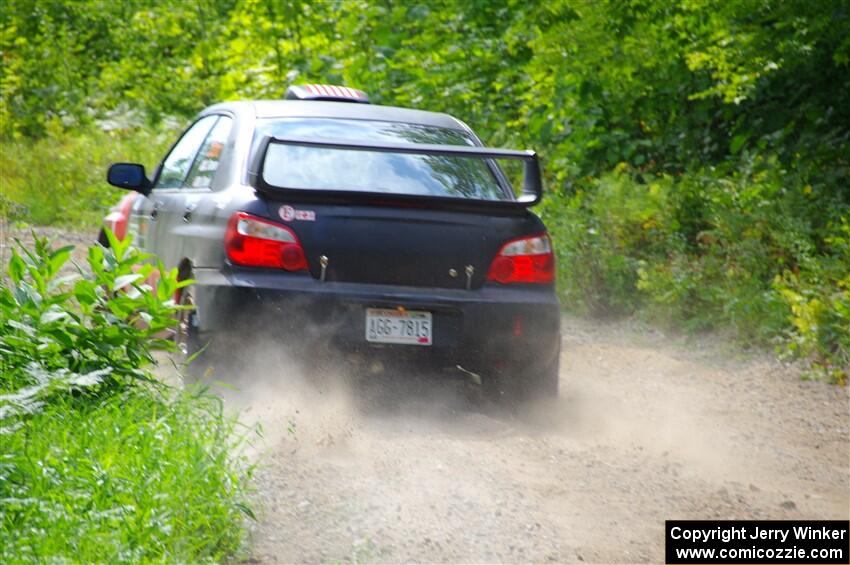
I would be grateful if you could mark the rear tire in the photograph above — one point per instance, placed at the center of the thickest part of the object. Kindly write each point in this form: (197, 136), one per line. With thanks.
(187, 338)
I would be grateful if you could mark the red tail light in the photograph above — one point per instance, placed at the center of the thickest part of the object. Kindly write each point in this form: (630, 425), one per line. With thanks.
(524, 260)
(255, 242)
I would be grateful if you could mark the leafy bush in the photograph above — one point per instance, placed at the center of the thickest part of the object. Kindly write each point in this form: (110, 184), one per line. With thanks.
(603, 233)
(107, 321)
(100, 462)
(712, 249)
(818, 296)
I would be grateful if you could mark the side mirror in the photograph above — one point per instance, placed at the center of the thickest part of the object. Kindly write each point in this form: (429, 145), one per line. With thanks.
(130, 176)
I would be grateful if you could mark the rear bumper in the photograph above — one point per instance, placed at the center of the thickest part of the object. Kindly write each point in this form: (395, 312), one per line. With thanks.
(491, 326)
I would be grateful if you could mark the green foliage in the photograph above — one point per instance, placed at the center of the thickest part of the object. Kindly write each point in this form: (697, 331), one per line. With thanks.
(104, 321)
(99, 461)
(59, 179)
(129, 478)
(707, 250)
(83, 61)
(603, 233)
(719, 276)
(818, 295)
(694, 150)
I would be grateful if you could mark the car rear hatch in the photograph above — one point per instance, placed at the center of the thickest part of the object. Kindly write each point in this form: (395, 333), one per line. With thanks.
(399, 245)
(383, 212)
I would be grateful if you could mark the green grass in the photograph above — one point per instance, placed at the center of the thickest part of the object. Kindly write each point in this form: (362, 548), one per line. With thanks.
(130, 478)
(60, 179)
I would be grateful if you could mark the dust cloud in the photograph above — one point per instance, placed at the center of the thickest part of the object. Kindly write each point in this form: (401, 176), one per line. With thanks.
(364, 463)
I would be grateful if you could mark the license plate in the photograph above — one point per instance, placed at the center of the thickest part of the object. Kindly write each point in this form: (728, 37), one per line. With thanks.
(398, 326)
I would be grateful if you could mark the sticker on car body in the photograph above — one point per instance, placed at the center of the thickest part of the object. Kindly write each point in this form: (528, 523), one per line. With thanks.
(288, 213)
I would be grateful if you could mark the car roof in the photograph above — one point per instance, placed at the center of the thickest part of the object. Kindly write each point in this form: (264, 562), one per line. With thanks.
(263, 109)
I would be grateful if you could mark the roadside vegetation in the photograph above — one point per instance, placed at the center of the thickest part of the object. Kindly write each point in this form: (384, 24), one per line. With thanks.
(59, 179)
(99, 461)
(696, 152)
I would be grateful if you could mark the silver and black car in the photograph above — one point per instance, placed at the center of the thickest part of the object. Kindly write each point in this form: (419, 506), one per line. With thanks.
(387, 231)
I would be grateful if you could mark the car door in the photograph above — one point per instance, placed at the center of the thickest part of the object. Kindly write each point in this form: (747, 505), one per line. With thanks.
(167, 199)
(191, 215)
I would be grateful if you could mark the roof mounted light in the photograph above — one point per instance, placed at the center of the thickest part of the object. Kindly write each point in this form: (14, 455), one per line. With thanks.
(325, 92)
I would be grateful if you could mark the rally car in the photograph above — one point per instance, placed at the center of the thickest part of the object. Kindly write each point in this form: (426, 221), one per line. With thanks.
(376, 229)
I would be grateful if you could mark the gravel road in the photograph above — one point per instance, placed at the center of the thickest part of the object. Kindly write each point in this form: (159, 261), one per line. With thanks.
(648, 427)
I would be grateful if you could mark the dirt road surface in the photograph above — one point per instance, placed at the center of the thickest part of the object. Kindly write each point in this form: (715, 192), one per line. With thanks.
(647, 428)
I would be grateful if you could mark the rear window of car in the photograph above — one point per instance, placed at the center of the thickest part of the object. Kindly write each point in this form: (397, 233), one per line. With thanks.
(319, 168)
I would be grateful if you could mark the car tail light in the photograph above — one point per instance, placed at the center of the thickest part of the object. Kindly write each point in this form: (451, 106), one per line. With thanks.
(255, 242)
(524, 260)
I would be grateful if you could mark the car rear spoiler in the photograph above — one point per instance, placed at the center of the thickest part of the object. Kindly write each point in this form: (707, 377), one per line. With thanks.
(532, 186)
